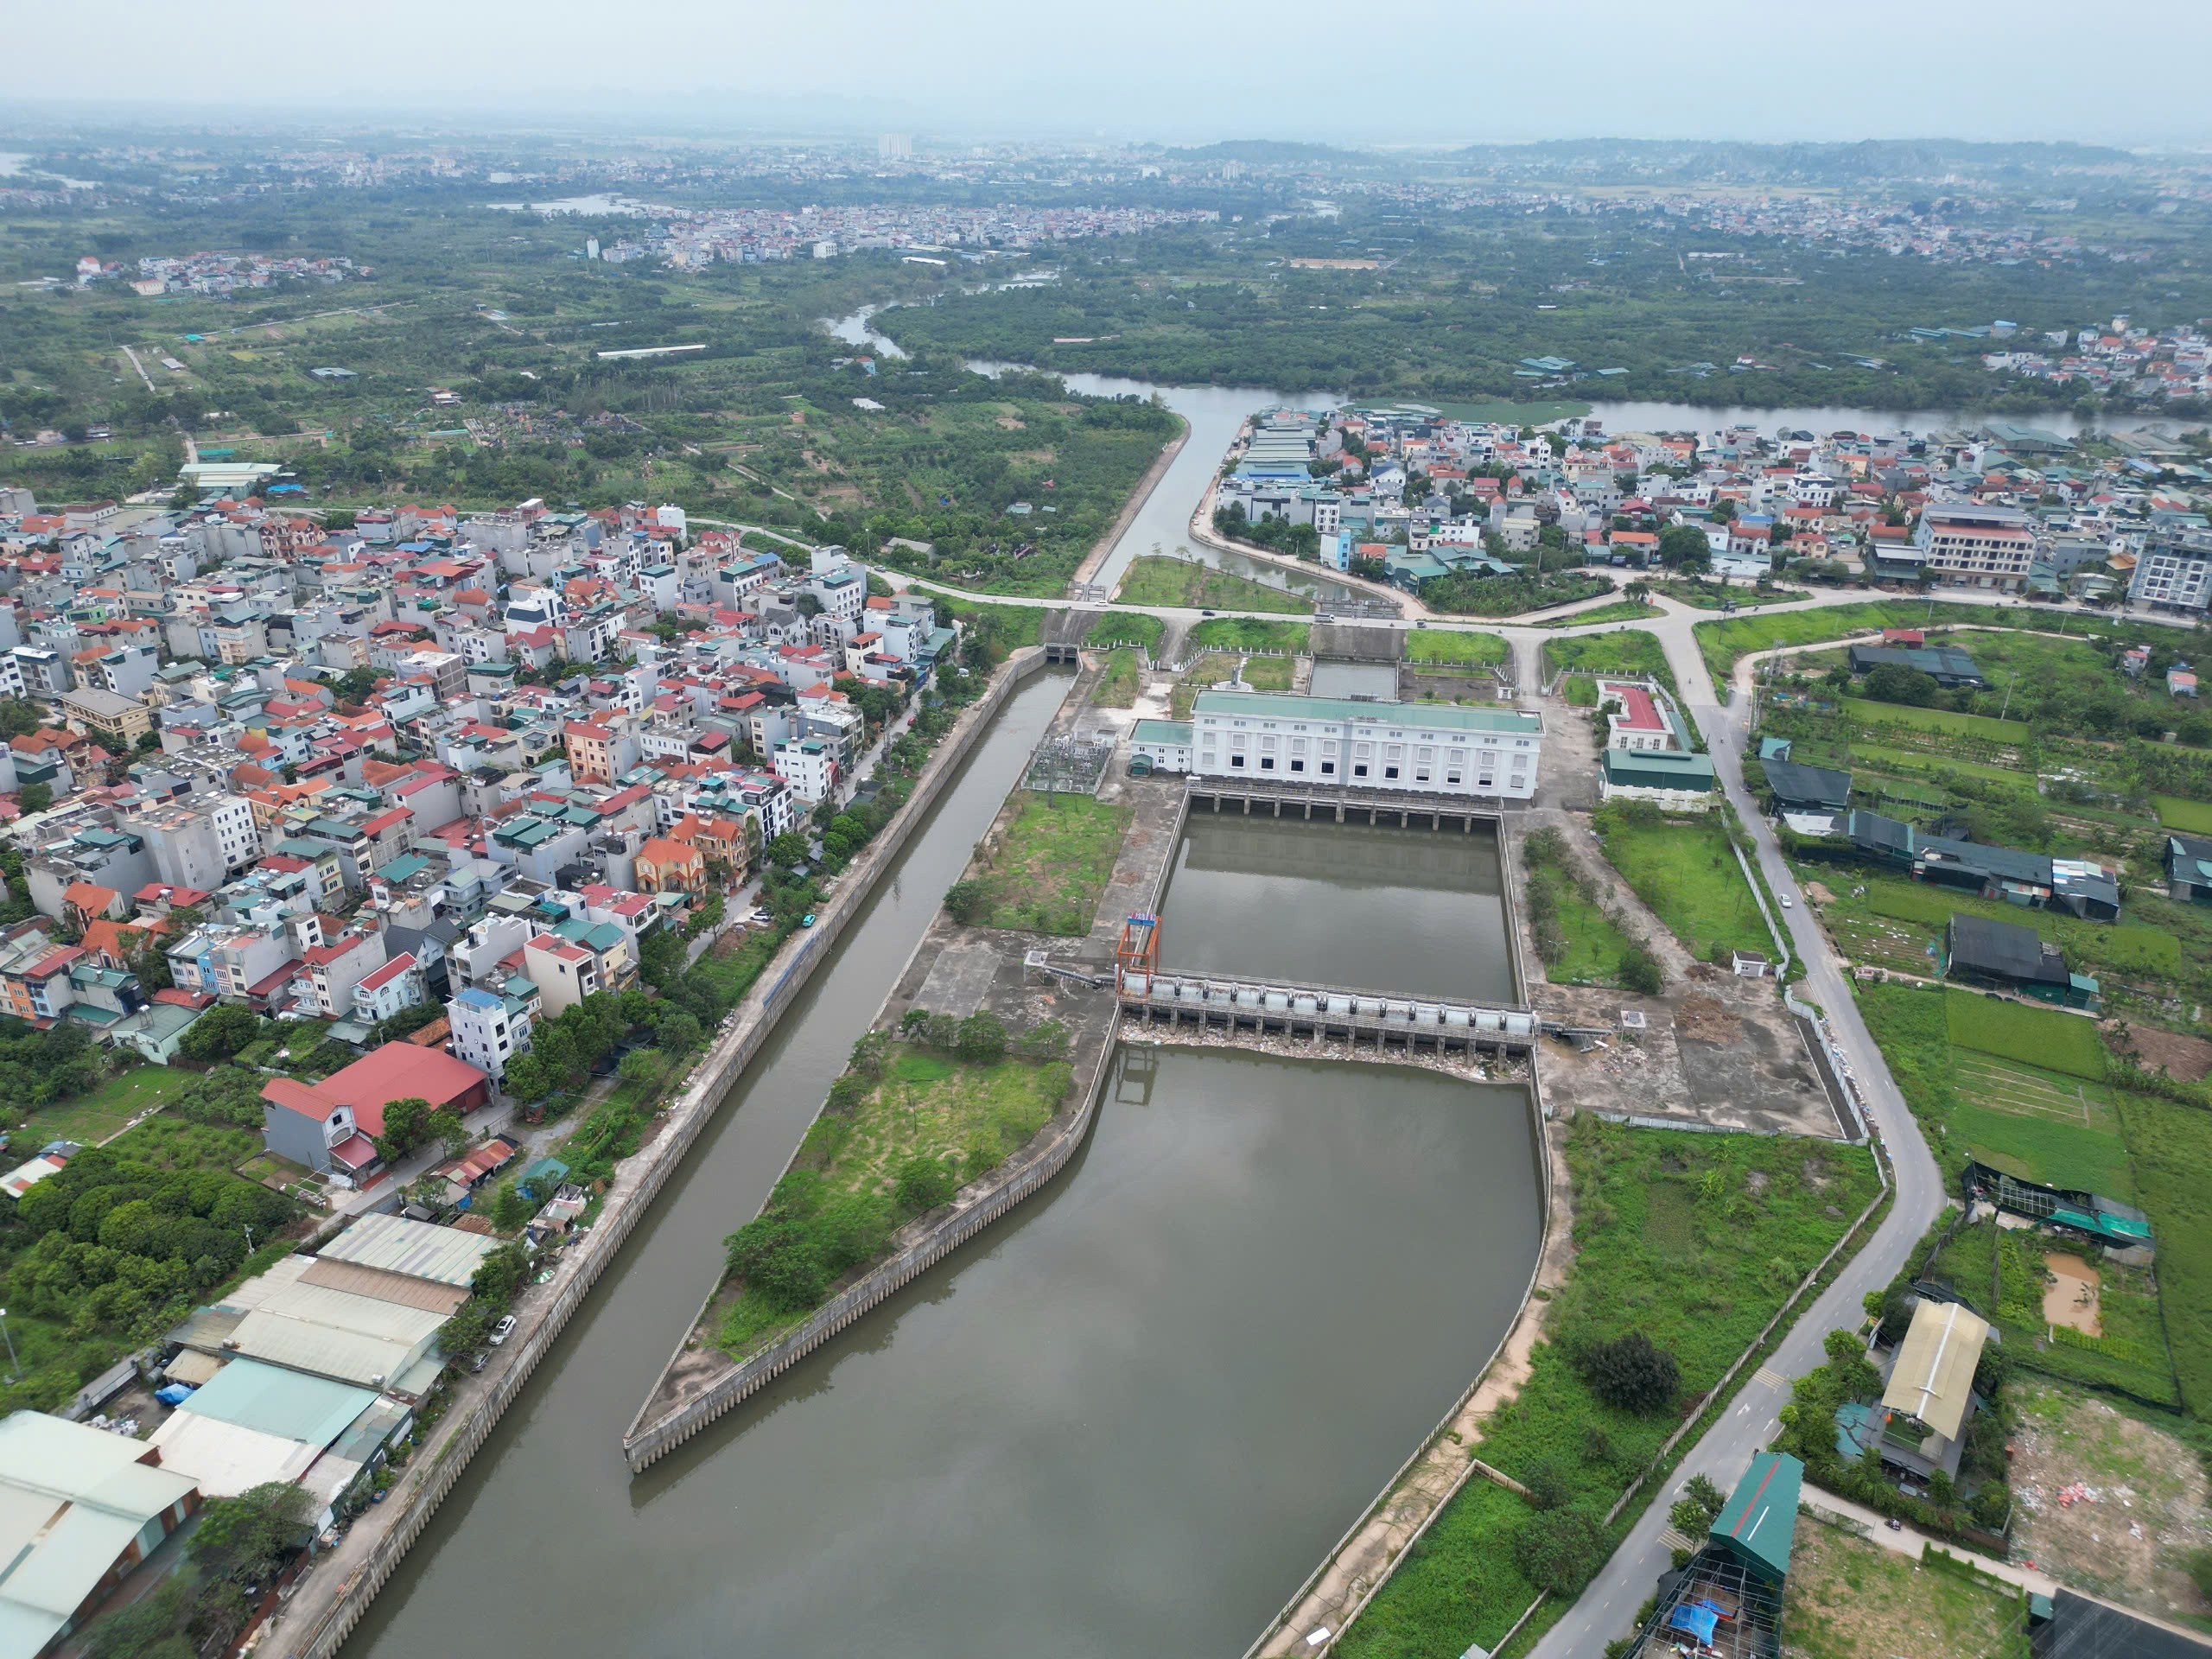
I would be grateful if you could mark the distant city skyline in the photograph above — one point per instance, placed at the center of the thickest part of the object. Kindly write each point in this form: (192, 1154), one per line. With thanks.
(1733, 69)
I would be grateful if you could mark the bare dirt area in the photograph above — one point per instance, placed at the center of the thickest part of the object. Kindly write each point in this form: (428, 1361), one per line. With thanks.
(1567, 772)
(1850, 1599)
(2070, 1297)
(1713, 1049)
(2107, 1501)
(2189, 1058)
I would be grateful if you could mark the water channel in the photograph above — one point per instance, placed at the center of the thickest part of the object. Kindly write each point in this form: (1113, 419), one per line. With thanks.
(1129, 1419)
(1369, 908)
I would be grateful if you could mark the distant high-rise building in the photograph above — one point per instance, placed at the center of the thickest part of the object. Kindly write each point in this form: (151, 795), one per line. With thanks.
(895, 147)
(591, 247)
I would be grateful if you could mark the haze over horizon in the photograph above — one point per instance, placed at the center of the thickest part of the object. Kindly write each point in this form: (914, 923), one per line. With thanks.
(1733, 70)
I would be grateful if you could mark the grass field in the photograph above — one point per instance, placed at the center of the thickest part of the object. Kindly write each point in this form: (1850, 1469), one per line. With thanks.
(1692, 1240)
(1260, 674)
(1914, 761)
(1686, 871)
(1724, 641)
(2057, 1042)
(1999, 1107)
(2149, 950)
(92, 1118)
(1437, 645)
(1935, 720)
(1048, 873)
(2190, 817)
(1155, 580)
(1126, 628)
(1250, 634)
(1120, 680)
(1624, 650)
(1850, 1599)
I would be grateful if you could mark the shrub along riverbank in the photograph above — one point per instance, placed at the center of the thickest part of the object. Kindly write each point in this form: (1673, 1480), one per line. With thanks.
(1691, 1240)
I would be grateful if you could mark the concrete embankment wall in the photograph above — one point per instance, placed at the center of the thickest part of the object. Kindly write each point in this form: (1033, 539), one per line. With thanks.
(438, 1467)
(1024, 1174)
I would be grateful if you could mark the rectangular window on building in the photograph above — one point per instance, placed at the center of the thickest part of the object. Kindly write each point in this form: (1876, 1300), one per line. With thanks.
(1235, 760)
(1359, 768)
(1328, 768)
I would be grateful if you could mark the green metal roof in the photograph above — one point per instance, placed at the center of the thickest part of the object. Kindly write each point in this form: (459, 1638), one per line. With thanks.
(1657, 769)
(1162, 731)
(1760, 1518)
(1289, 705)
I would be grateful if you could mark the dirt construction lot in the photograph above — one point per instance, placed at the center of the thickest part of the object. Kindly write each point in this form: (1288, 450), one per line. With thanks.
(2107, 1501)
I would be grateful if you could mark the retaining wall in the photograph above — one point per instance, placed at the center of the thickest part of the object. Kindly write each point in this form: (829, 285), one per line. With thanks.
(428, 1482)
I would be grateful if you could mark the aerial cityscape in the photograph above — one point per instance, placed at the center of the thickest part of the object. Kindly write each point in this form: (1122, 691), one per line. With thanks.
(853, 866)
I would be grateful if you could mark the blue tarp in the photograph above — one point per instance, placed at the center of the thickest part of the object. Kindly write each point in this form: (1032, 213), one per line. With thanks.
(1698, 1620)
(174, 1394)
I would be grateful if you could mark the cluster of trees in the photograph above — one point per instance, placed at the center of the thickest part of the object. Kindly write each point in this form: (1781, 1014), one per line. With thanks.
(238, 1546)
(499, 1280)
(37, 1067)
(1469, 594)
(1277, 535)
(113, 1243)
(564, 1049)
(1809, 1432)
(981, 1039)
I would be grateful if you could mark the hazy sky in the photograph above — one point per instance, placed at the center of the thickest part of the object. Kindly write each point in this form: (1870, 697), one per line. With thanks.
(1180, 69)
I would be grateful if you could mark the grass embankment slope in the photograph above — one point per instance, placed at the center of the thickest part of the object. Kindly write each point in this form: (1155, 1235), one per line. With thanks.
(1633, 652)
(1154, 579)
(1211, 669)
(1694, 1240)
(1046, 874)
(1465, 647)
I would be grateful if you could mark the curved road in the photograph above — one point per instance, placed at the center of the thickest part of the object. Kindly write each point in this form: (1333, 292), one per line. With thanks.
(1613, 1596)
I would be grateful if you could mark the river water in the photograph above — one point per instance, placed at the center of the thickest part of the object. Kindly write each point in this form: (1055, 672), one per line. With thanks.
(1410, 912)
(1127, 1419)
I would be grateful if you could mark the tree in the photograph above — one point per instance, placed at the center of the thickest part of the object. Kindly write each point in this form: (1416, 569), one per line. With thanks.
(1895, 683)
(35, 797)
(1548, 1486)
(510, 1209)
(1640, 970)
(923, 1183)
(1684, 547)
(982, 1038)
(788, 850)
(445, 1126)
(242, 1538)
(968, 902)
(1559, 1549)
(19, 717)
(1631, 1373)
(527, 1079)
(406, 1125)
(219, 1032)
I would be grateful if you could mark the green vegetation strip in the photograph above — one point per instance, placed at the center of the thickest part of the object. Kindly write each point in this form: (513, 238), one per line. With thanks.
(2190, 817)
(1047, 873)
(1120, 680)
(1154, 579)
(1624, 611)
(1692, 1240)
(1580, 941)
(1724, 641)
(903, 1130)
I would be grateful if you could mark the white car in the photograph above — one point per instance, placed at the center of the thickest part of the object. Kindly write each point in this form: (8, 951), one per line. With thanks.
(1787, 902)
(503, 1330)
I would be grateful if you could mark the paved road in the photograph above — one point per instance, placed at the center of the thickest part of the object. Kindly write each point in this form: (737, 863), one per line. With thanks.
(1612, 1599)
